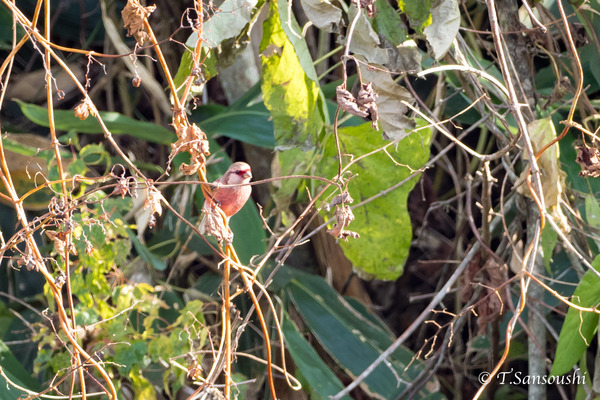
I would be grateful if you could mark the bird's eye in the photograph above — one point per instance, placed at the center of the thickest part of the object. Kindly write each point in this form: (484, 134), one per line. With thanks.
(239, 172)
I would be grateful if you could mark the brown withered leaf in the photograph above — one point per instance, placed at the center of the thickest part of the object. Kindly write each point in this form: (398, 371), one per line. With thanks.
(344, 216)
(134, 15)
(339, 199)
(193, 140)
(368, 5)
(347, 102)
(366, 101)
(364, 106)
(589, 159)
(213, 224)
(493, 303)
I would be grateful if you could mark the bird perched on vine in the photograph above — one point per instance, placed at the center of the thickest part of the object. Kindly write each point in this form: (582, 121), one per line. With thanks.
(229, 199)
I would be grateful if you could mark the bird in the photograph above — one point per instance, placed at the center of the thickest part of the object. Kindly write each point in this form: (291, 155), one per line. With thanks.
(229, 199)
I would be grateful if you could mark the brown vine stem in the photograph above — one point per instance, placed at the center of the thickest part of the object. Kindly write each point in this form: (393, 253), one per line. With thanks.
(163, 64)
(65, 195)
(227, 323)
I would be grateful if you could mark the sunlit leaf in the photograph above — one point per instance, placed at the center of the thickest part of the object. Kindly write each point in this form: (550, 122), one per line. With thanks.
(579, 327)
(383, 224)
(289, 94)
(418, 12)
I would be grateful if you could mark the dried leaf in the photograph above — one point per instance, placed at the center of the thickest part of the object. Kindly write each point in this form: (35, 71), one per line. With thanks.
(134, 15)
(339, 199)
(589, 159)
(542, 132)
(390, 109)
(323, 14)
(344, 216)
(441, 33)
(347, 102)
(193, 140)
(213, 224)
(367, 5)
(366, 101)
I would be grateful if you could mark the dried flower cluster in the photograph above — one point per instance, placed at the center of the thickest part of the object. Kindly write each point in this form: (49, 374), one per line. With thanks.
(589, 159)
(343, 215)
(134, 15)
(363, 106)
(192, 140)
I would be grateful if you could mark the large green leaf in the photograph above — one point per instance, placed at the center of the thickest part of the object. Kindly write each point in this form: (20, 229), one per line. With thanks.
(116, 123)
(579, 327)
(294, 35)
(383, 224)
(418, 12)
(249, 124)
(352, 339)
(13, 369)
(388, 23)
(321, 381)
(289, 94)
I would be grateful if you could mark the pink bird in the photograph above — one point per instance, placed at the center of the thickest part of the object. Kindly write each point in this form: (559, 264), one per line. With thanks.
(229, 199)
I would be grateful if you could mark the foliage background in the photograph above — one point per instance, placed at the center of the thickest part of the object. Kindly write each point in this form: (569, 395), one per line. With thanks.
(452, 142)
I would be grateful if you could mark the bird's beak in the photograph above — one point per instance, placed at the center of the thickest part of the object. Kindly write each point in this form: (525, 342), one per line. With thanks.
(247, 175)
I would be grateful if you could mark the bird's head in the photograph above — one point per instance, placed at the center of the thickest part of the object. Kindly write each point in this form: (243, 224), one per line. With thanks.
(237, 173)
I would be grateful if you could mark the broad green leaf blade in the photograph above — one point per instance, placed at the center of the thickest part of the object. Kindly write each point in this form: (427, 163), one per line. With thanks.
(116, 123)
(250, 124)
(146, 255)
(383, 224)
(549, 239)
(294, 35)
(418, 12)
(579, 327)
(13, 369)
(289, 94)
(351, 339)
(388, 23)
(321, 381)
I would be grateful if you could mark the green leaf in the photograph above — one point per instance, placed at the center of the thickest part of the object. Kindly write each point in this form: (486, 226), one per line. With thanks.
(145, 254)
(321, 381)
(294, 35)
(377, 252)
(579, 327)
(116, 123)
(388, 23)
(249, 124)
(548, 239)
(353, 340)
(231, 18)
(142, 388)
(418, 12)
(13, 369)
(289, 94)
